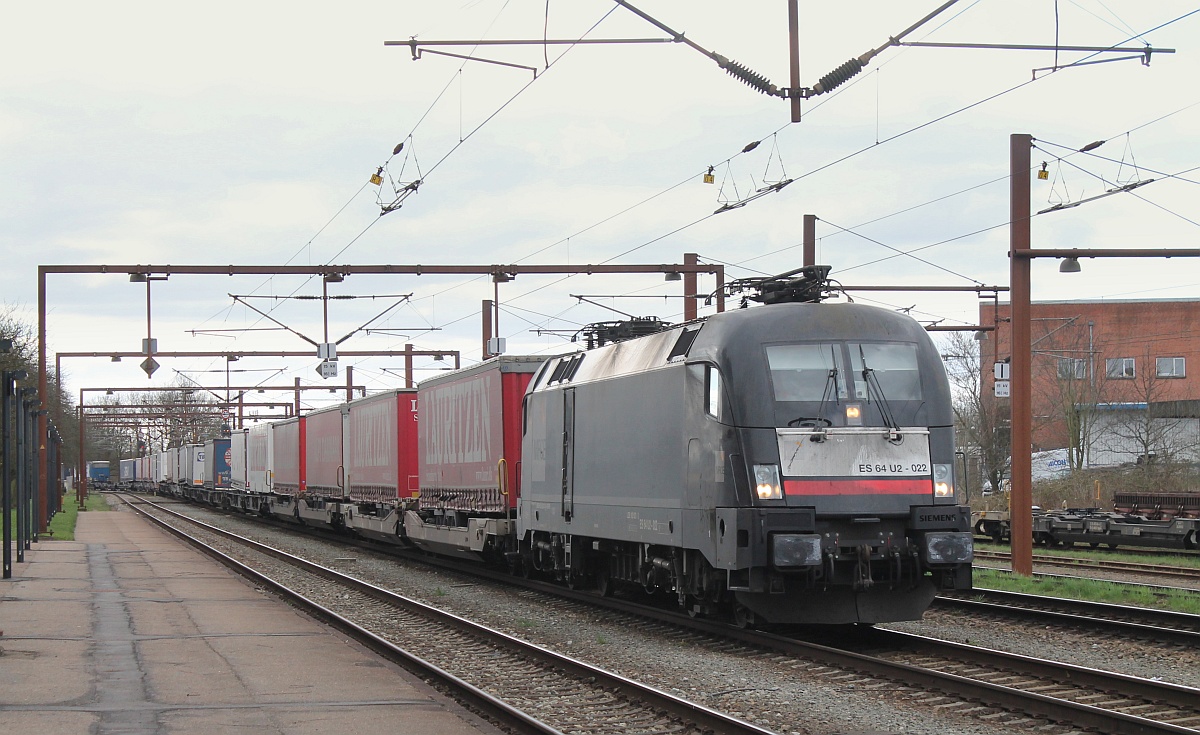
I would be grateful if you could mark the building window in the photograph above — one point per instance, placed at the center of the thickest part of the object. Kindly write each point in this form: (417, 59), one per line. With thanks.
(1169, 367)
(1119, 367)
(1072, 368)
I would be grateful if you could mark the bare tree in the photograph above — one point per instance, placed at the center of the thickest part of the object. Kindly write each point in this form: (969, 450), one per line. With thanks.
(23, 355)
(1066, 387)
(981, 421)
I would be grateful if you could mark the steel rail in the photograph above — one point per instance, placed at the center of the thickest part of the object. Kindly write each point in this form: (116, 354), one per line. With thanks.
(1099, 564)
(493, 706)
(991, 694)
(702, 717)
(1158, 624)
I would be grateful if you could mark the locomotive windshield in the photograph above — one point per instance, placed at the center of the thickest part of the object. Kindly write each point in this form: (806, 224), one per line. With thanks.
(807, 372)
(817, 371)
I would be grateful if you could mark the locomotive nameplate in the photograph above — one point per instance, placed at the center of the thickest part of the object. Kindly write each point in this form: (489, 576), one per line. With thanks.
(854, 453)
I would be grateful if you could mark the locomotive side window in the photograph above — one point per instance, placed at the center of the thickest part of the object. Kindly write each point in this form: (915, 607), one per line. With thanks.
(894, 365)
(807, 372)
(712, 391)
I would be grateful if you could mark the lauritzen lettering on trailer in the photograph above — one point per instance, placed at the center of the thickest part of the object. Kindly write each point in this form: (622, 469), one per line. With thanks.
(470, 435)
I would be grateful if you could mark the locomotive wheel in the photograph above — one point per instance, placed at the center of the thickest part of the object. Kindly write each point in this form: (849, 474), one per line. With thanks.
(604, 584)
(743, 617)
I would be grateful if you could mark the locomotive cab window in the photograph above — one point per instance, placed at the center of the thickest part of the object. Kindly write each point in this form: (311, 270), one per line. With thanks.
(892, 364)
(807, 372)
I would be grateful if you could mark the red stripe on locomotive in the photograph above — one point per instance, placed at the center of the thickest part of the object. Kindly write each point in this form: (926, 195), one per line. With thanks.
(860, 486)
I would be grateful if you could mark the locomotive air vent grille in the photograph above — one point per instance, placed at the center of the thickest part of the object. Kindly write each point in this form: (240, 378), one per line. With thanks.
(566, 369)
(683, 344)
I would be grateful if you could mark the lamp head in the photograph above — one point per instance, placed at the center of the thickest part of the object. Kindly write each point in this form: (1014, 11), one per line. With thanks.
(1069, 265)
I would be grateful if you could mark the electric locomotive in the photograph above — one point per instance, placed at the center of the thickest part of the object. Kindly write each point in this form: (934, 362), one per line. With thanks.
(787, 463)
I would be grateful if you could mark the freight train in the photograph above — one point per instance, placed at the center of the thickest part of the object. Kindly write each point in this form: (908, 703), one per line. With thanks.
(98, 473)
(786, 463)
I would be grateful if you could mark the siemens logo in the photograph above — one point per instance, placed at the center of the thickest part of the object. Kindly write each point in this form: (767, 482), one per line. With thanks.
(937, 518)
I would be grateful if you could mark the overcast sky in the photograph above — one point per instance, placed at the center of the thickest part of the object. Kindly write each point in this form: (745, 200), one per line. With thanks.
(245, 133)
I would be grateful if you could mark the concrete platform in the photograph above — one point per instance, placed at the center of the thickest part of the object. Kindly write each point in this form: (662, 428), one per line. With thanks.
(128, 630)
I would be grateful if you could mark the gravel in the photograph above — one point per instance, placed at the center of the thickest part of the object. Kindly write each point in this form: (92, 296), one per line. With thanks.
(773, 692)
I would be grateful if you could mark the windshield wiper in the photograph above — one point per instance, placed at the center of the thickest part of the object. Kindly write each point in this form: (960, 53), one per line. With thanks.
(885, 410)
(809, 422)
(831, 389)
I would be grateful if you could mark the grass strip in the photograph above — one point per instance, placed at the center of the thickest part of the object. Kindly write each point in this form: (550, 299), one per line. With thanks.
(63, 523)
(1092, 590)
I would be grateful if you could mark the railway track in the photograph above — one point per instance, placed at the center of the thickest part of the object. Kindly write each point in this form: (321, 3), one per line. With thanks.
(1133, 622)
(949, 677)
(1191, 573)
(526, 687)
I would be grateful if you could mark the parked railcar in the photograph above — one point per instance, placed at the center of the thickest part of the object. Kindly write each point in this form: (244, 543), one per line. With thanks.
(191, 471)
(126, 474)
(288, 453)
(215, 480)
(380, 444)
(1158, 506)
(1095, 527)
(469, 452)
(239, 473)
(98, 474)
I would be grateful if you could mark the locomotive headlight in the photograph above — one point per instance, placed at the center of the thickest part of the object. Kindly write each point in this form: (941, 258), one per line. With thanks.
(943, 481)
(766, 481)
(795, 549)
(949, 547)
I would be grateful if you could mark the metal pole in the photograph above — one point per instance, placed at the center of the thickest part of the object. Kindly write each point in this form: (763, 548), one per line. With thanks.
(495, 307)
(810, 239)
(37, 445)
(20, 472)
(487, 326)
(81, 496)
(408, 366)
(1021, 494)
(794, 56)
(7, 457)
(42, 387)
(325, 309)
(689, 288)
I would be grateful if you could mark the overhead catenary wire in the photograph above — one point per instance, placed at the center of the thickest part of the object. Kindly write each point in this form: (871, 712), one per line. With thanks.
(615, 256)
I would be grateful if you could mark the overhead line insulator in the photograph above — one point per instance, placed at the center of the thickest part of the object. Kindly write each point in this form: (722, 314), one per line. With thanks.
(749, 76)
(838, 76)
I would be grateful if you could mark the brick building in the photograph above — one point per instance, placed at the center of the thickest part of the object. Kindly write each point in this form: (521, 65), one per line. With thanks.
(1118, 379)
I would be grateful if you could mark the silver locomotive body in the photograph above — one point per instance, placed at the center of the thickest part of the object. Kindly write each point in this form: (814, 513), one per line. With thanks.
(790, 463)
